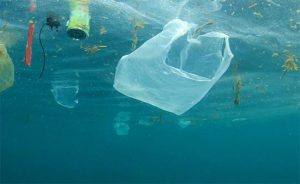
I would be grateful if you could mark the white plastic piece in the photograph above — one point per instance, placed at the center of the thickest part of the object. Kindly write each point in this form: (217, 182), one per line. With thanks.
(174, 70)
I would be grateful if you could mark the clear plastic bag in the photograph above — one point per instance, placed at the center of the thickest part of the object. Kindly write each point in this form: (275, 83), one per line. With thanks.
(65, 87)
(6, 69)
(174, 69)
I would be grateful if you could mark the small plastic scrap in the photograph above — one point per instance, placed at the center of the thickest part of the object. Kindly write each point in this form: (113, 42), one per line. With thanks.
(183, 123)
(121, 123)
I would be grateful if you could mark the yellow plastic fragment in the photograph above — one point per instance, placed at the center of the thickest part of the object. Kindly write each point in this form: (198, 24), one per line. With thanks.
(6, 69)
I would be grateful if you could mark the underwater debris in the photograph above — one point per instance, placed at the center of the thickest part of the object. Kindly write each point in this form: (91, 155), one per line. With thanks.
(275, 54)
(160, 77)
(65, 92)
(290, 64)
(239, 119)
(252, 5)
(121, 123)
(258, 14)
(200, 28)
(183, 123)
(59, 50)
(293, 24)
(79, 22)
(6, 69)
(102, 30)
(237, 89)
(93, 49)
(137, 25)
(28, 53)
(52, 21)
(273, 3)
(237, 83)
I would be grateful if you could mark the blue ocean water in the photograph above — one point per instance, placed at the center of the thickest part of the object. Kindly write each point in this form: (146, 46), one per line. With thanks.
(256, 141)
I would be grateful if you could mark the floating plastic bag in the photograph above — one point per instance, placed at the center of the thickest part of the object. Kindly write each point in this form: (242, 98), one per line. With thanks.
(65, 92)
(6, 69)
(174, 69)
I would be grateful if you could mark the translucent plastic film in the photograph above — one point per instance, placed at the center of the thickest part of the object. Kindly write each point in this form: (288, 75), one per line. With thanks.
(174, 69)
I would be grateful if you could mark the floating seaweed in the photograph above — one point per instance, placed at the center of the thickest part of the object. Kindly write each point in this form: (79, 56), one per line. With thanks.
(93, 49)
(237, 89)
(102, 30)
(237, 83)
(137, 25)
(290, 64)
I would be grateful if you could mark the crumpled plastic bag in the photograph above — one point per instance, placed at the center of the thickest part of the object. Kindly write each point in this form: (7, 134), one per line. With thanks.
(65, 93)
(176, 68)
(6, 69)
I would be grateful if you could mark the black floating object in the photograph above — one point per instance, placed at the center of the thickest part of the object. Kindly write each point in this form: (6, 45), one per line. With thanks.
(53, 22)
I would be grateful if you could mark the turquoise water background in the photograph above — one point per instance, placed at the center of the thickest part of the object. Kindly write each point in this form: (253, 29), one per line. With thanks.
(256, 141)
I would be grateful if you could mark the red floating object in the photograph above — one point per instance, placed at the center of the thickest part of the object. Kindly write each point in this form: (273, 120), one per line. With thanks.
(29, 44)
